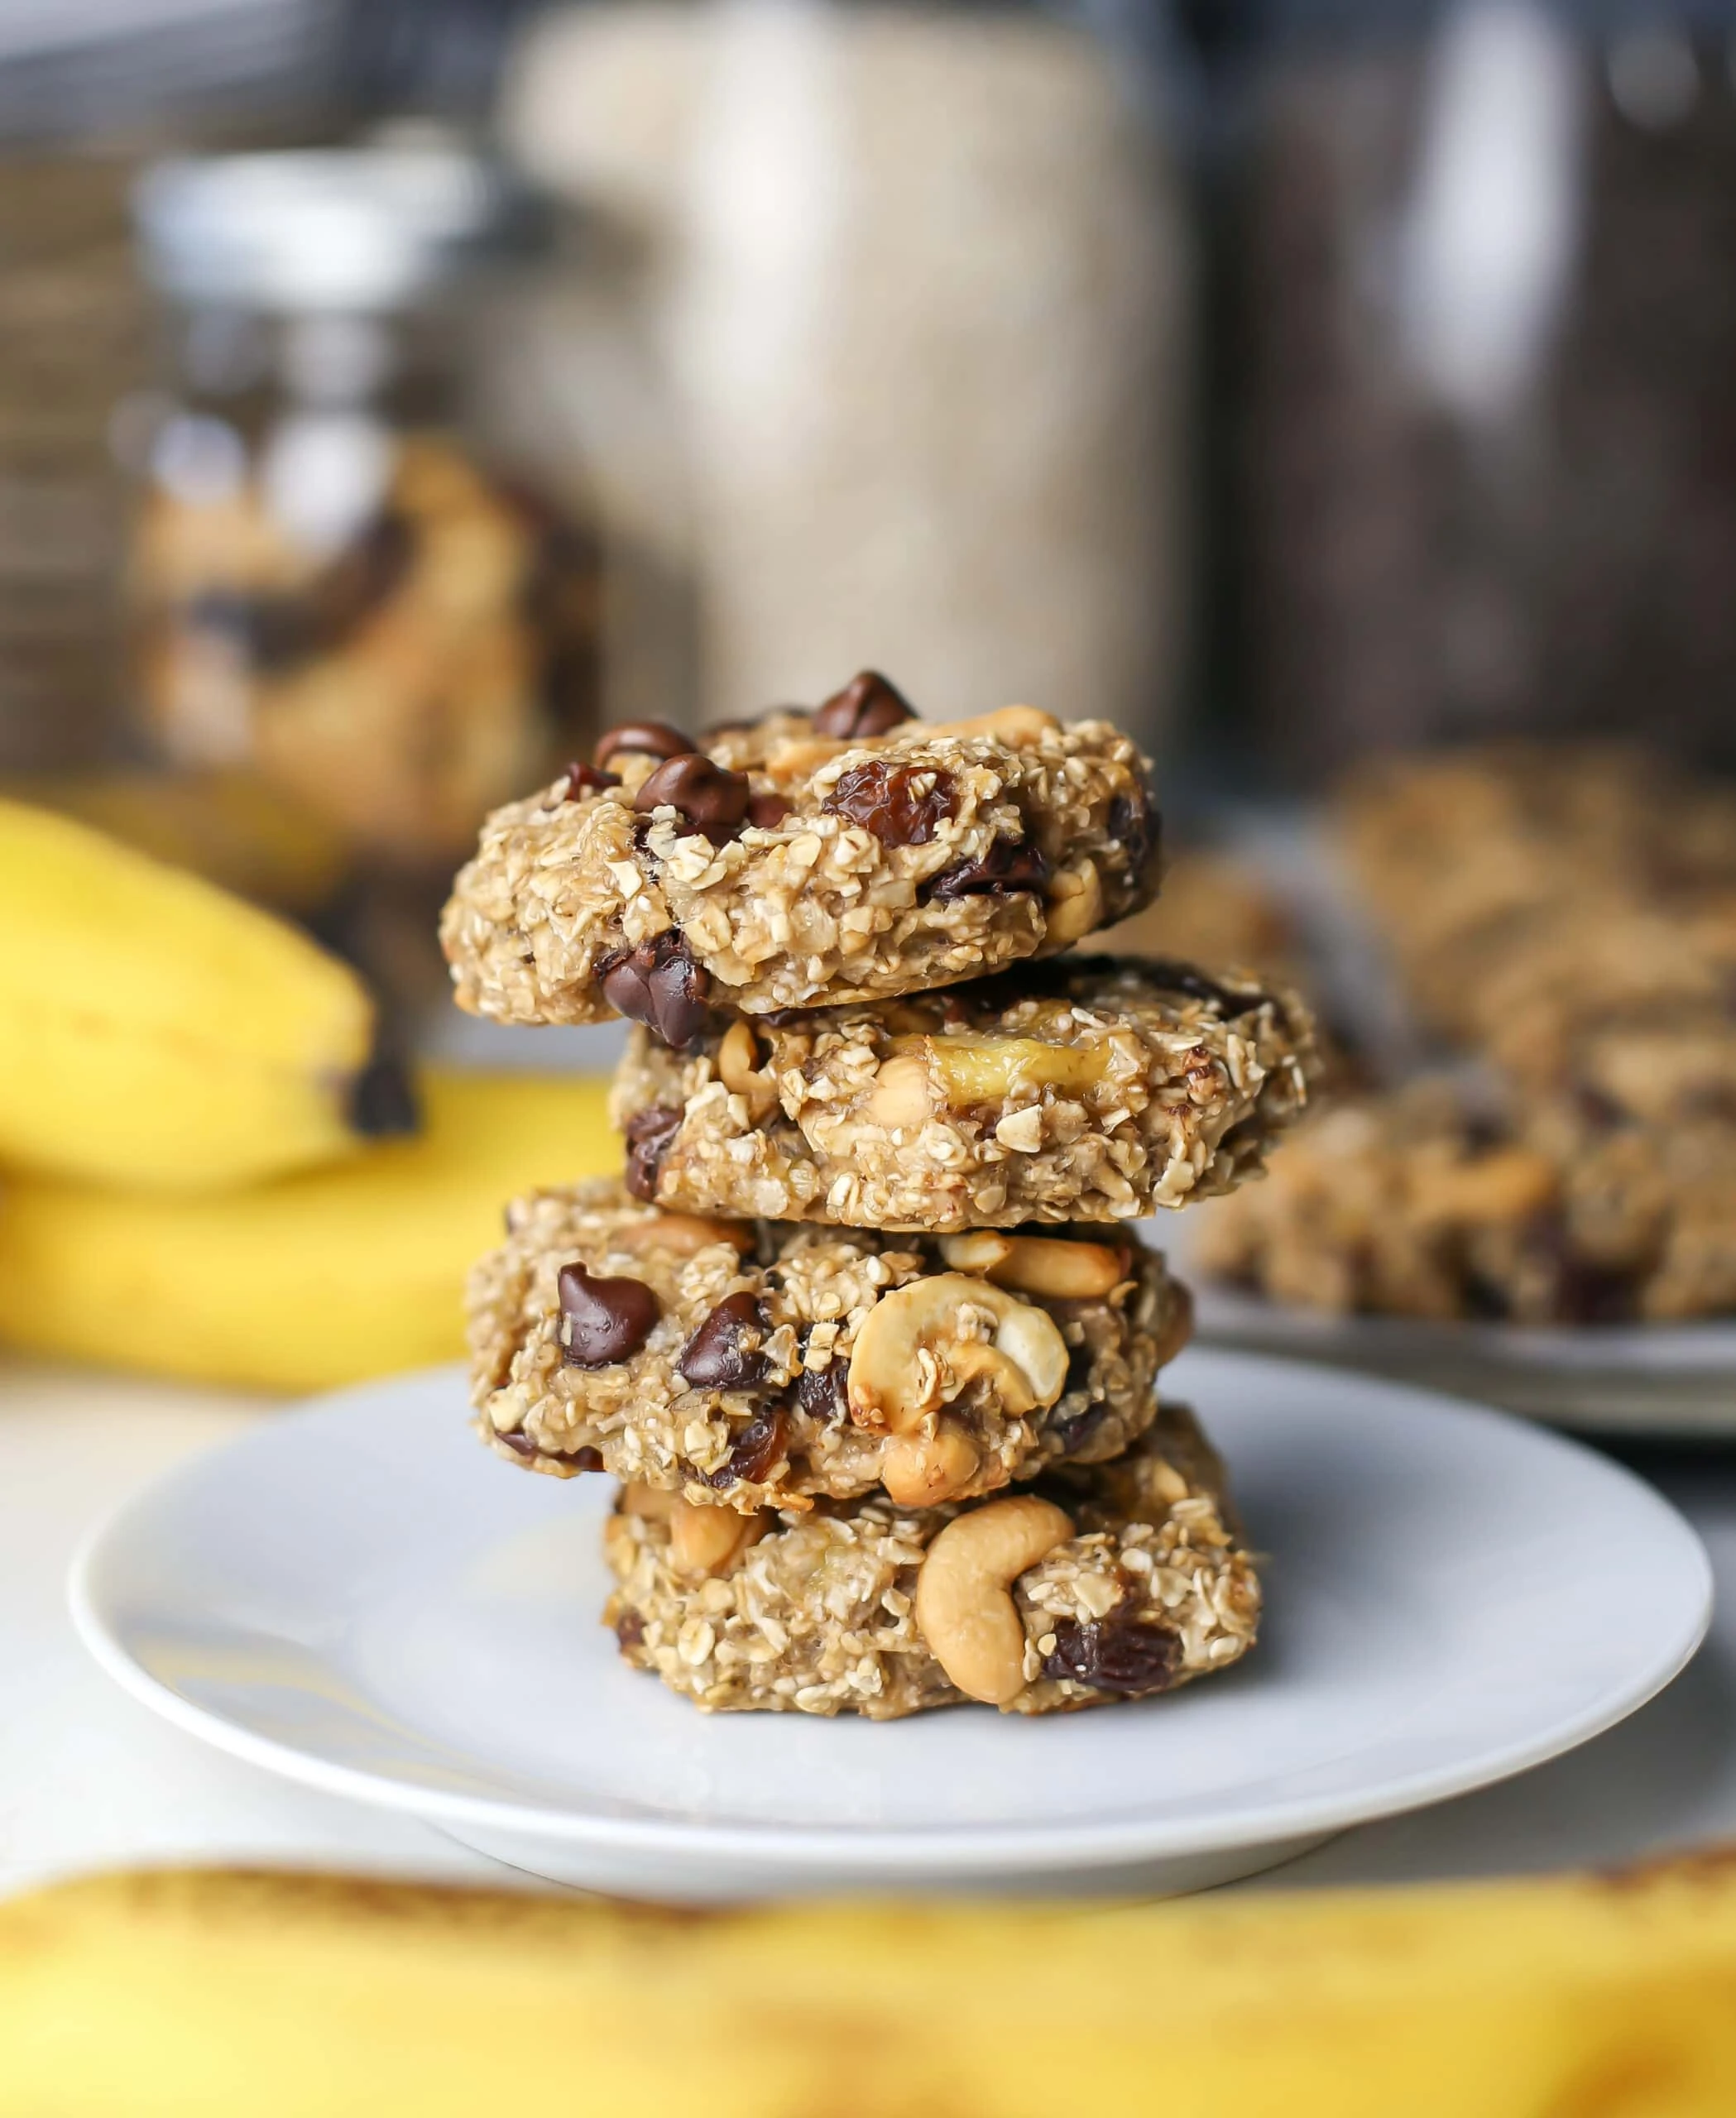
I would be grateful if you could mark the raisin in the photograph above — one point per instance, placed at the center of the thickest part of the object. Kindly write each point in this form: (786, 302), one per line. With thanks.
(630, 1631)
(650, 1133)
(607, 1319)
(659, 984)
(709, 796)
(1008, 866)
(643, 738)
(1133, 824)
(758, 1447)
(581, 1459)
(1126, 1656)
(1195, 985)
(867, 707)
(823, 1393)
(901, 804)
(719, 1356)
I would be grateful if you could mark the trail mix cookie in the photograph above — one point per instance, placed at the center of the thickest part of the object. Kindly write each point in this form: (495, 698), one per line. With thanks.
(1089, 1089)
(752, 1367)
(853, 854)
(1434, 1202)
(1097, 1587)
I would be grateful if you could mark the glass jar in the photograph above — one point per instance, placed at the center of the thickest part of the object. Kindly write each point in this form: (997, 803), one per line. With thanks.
(373, 560)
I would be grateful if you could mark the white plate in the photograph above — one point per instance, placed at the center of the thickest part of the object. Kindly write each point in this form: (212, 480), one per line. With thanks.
(357, 1597)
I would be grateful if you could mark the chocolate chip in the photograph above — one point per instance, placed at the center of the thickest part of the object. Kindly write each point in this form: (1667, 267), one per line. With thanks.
(607, 1319)
(1118, 1654)
(712, 799)
(901, 804)
(1008, 866)
(766, 811)
(868, 706)
(723, 1353)
(586, 779)
(643, 739)
(659, 984)
(1133, 824)
(650, 1134)
(758, 1447)
(630, 1631)
(823, 1393)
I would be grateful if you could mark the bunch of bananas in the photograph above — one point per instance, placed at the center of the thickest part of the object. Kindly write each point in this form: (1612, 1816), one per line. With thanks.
(297, 1997)
(193, 1180)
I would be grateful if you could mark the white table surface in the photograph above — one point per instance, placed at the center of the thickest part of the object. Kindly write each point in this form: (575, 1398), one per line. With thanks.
(89, 1778)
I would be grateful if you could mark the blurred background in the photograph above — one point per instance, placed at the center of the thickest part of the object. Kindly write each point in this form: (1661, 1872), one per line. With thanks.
(395, 392)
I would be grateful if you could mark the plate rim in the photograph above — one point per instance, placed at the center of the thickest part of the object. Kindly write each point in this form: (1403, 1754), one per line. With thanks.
(949, 1851)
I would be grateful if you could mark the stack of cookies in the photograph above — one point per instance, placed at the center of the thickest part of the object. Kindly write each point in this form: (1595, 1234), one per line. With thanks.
(863, 1331)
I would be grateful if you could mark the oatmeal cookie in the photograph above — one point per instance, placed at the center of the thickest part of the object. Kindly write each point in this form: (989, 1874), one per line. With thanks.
(751, 1366)
(1094, 1587)
(1440, 1200)
(1091, 1089)
(848, 855)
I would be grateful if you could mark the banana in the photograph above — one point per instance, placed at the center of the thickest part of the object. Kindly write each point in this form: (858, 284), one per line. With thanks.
(292, 1996)
(313, 1280)
(155, 1031)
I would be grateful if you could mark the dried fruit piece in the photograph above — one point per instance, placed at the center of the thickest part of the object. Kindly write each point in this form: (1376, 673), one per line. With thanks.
(867, 707)
(724, 1352)
(650, 1133)
(758, 1447)
(901, 804)
(1008, 866)
(659, 984)
(1133, 823)
(1127, 1655)
(645, 739)
(607, 1319)
(766, 811)
(823, 1392)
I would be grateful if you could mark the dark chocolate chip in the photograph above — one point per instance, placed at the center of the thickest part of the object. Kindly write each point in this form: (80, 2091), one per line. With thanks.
(1008, 866)
(607, 1319)
(382, 1100)
(1119, 1654)
(643, 738)
(1195, 985)
(823, 1393)
(724, 1352)
(650, 1133)
(659, 984)
(758, 1447)
(1133, 824)
(766, 811)
(586, 779)
(867, 707)
(901, 804)
(710, 798)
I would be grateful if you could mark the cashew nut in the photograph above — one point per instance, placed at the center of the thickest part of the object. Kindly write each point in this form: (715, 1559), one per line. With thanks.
(922, 1470)
(911, 1357)
(1007, 724)
(705, 1540)
(900, 1095)
(683, 1235)
(1075, 903)
(963, 1609)
(651, 1502)
(1038, 1264)
(739, 1070)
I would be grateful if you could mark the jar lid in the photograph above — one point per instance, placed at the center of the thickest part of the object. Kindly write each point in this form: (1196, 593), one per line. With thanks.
(361, 228)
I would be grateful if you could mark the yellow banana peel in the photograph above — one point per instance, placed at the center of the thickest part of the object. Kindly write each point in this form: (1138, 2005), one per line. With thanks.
(156, 1031)
(313, 1280)
(206, 1996)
